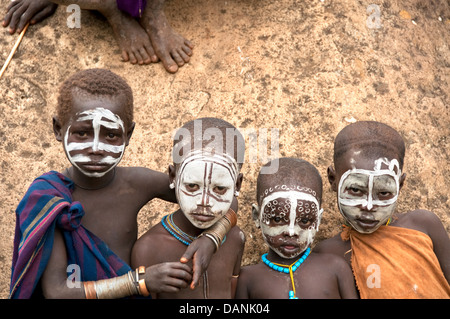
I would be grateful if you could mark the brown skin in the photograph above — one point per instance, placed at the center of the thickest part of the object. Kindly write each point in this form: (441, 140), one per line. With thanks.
(421, 220)
(158, 246)
(19, 13)
(321, 276)
(111, 213)
(143, 41)
(172, 49)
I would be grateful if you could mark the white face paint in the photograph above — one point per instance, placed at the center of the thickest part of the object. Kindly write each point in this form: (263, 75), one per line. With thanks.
(289, 220)
(93, 131)
(367, 199)
(205, 186)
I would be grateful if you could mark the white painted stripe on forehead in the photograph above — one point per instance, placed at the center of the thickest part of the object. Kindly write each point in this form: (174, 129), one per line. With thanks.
(221, 159)
(99, 113)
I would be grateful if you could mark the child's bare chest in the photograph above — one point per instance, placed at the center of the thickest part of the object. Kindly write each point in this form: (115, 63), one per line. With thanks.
(111, 218)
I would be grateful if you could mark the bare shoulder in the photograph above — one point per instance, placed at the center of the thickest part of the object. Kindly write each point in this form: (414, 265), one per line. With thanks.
(251, 271)
(148, 183)
(334, 245)
(329, 261)
(237, 235)
(419, 219)
(140, 176)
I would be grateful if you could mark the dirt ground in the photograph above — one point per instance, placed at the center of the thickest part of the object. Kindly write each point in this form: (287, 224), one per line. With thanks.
(307, 68)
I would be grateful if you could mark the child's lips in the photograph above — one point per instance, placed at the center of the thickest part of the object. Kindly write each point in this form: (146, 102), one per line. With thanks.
(203, 214)
(290, 247)
(93, 166)
(366, 223)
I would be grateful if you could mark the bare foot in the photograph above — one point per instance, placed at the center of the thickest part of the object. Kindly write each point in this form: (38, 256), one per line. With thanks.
(131, 37)
(20, 12)
(172, 49)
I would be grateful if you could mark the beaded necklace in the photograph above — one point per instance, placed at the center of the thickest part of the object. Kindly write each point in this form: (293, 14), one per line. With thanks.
(288, 269)
(169, 225)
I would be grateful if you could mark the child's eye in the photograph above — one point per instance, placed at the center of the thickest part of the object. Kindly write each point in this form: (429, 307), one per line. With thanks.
(111, 135)
(192, 187)
(355, 191)
(305, 221)
(384, 194)
(277, 219)
(220, 190)
(81, 133)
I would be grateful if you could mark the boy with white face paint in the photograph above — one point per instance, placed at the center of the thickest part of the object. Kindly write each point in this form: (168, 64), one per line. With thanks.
(288, 213)
(90, 209)
(385, 249)
(205, 176)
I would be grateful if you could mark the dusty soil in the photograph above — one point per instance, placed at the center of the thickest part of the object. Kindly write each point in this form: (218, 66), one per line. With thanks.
(307, 68)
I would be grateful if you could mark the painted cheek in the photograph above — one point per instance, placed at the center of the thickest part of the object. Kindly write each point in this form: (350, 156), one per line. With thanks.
(78, 150)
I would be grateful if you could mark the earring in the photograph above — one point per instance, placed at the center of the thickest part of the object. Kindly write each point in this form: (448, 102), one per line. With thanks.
(172, 185)
(236, 193)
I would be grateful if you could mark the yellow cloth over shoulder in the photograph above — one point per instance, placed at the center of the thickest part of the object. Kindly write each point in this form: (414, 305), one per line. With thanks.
(396, 263)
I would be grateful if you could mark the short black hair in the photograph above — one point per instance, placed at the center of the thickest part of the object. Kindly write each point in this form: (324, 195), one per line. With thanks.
(96, 82)
(371, 136)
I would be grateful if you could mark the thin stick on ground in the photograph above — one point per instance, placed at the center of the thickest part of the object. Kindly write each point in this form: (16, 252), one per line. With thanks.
(13, 50)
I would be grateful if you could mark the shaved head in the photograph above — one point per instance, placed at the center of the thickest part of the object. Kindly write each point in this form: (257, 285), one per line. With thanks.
(375, 139)
(291, 172)
(209, 134)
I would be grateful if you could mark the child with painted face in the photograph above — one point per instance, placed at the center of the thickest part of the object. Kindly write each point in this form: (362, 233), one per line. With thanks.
(84, 218)
(288, 214)
(207, 157)
(392, 255)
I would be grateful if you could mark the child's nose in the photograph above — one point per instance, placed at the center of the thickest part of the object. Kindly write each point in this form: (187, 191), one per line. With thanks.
(204, 200)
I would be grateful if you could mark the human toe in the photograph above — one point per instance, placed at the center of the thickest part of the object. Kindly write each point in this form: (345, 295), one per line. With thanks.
(177, 57)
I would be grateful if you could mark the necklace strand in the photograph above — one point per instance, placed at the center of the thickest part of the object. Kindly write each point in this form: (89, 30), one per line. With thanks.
(176, 232)
(169, 225)
(288, 269)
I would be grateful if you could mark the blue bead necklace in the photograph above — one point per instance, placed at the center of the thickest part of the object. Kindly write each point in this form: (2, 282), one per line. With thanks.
(288, 269)
(169, 225)
(176, 232)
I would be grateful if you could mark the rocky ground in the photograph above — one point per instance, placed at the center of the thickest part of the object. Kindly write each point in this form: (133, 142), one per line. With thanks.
(307, 68)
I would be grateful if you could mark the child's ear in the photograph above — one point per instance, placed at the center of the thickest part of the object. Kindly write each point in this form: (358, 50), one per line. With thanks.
(130, 133)
(402, 180)
(57, 127)
(239, 182)
(172, 174)
(255, 215)
(331, 173)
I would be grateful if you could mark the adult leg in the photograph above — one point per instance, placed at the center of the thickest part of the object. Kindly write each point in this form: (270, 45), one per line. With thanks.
(172, 49)
(131, 37)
